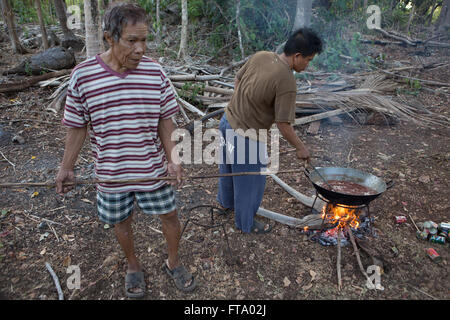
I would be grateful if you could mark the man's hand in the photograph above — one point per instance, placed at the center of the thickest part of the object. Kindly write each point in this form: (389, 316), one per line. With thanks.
(64, 176)
(177, 171)
(303, 154)
(289, 134)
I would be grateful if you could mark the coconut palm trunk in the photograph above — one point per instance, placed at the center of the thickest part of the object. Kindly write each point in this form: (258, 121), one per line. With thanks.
(92, 24)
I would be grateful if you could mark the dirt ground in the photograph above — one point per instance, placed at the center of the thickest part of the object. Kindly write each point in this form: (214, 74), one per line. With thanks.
(281, 265)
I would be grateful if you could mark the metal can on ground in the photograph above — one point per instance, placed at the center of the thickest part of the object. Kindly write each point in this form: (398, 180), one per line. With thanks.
(400, 219)
(444, 226)
(443, 234)
(437, 239)
(433, 255)
(422, 235)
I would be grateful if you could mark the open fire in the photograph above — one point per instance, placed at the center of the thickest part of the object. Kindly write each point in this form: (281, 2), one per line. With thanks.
(347, 223)
(340, 217)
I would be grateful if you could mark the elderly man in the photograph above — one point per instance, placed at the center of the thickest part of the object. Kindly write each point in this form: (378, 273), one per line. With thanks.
(265, 92)
(126, 100)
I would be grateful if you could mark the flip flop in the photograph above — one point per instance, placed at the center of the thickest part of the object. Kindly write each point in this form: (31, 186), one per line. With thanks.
(258, 227)
(180, 277)
(132, 281)
(225, 211)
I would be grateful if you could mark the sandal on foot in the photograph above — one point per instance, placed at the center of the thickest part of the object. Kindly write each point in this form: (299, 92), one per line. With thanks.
(132, 281)
(260, 228)
(224, 211)
(181, 277)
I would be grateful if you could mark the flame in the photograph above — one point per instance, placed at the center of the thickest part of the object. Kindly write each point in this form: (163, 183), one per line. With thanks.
(342, 215)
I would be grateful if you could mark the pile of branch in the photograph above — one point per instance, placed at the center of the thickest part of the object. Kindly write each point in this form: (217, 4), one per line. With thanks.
(373, 95)
(405, 40)
(323, 100)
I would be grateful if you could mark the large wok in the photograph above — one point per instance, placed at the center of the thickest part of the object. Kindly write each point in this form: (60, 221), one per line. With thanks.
(351, 175)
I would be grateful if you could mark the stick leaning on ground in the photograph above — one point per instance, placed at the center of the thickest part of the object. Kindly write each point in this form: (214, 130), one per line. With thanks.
(94, 181)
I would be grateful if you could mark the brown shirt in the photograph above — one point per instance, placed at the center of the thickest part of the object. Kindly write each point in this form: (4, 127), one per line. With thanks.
(265, 94)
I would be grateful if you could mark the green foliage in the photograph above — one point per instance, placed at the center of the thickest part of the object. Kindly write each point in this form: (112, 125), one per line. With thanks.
(28, 70)
(413, 87)
(190, 91)
(26, 12)
(341, 46)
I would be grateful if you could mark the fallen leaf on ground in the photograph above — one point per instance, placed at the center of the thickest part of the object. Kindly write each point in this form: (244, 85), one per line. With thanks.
(286, 282)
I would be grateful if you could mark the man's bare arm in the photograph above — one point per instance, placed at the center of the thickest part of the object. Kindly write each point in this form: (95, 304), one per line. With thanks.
(165, 129)
(74, 141)
(287, 131)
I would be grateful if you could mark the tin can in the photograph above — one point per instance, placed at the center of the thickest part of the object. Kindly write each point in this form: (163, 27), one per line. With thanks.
(444, 226)
(437, 239)
(443, 234)
(422, 235)
(433, 255)
(400, 219)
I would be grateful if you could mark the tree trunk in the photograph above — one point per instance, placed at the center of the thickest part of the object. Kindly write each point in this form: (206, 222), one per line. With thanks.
(184, 26)
(430, 18)
(62, 17)
(238, 22)
(158, 24)
(9, 19)
(411, 17)
(42, 24)
(444, 17)
(303, 14)
(92, 20)
(101, 11)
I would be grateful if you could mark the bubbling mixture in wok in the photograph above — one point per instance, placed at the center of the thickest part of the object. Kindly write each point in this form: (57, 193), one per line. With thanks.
(347, 187)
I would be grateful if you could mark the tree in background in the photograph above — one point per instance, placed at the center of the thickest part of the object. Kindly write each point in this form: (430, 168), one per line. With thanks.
(60, 9)
(9, 19)
(303, 14)
(42, 24)
(444, 17)
(92, 20)
(184, 31)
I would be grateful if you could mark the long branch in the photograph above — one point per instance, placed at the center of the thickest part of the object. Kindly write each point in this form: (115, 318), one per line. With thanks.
(95, 181)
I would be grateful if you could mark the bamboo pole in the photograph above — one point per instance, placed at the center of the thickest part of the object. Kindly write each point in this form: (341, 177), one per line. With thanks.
(95, 181)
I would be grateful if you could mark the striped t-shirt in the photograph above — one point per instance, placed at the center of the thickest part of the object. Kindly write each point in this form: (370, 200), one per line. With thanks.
(123, 111)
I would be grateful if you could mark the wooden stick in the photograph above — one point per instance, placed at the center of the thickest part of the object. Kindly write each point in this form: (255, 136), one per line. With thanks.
(193, 77)
(13, 165)
(413, 222)
(56, 280)
(90, 182)
(355, 247)
(338, 261)
(320, 116)
(421, 291)
(429, 82)
(11, 87)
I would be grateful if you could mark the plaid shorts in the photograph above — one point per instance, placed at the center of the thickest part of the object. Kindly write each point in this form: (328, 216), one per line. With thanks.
(117, 207)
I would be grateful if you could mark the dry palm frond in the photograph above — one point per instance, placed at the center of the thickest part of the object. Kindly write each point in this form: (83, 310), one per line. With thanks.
(371, 97)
